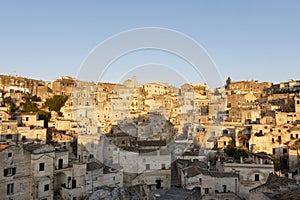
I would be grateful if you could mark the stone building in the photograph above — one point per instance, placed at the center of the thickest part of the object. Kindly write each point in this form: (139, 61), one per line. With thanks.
(63, 86)
(148, 167)
(275, 186)
(41, 170)
(15, 176)
(290, 85)
(251, 173)
(297, 104)
(241, 100)
(155, 88)
(209, 182)
(9, 131)
(224, 141)
(4, 116)
(30, 119)
(28, 134)
(16, 84)
(248, 86)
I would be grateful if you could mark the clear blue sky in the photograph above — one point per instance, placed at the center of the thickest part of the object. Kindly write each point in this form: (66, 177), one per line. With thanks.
(246, 39)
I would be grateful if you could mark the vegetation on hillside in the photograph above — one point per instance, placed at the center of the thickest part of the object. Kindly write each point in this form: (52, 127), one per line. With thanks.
(56, 102)
(235, 152)
(9, 102)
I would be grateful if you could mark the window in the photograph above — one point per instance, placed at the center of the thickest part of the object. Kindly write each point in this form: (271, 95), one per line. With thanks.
(60, 163)
(10, 189)
(296, 135)
(284, 150)
(224, 188)
(279, 137)
(42, 167)
(73, 183)
(147, 166)
(256, 177)
(9, 136)
(27, 119)
(200, 180)
(10, 171)
(274, 151)
(9, 155)
(46, 187)
(163, 166)
(213, 133)
(206, 190)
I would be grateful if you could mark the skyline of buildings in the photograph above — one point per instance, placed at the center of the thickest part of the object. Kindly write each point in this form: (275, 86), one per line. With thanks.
(149, 100)
(69, 139)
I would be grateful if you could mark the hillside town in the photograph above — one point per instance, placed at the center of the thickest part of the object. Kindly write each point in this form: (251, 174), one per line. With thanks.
(70, 139)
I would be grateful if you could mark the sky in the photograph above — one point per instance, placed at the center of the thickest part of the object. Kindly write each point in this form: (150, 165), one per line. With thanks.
(246, 40)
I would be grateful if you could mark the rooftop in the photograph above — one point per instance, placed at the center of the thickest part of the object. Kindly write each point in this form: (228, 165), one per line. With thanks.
(93, 166)
(196, 170)
(275, 182)
(3, 146)
(291, 194)
(176, 194)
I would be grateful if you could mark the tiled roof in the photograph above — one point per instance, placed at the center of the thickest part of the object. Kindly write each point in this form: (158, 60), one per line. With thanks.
(152, 143)
(262, 155)
(3, 146)
(176, 194)
(291, 194)
(93, 165)
(194, 171)
(32, 147)
(275, 182)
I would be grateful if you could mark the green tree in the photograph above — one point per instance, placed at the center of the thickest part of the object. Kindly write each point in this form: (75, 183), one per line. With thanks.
(236, 153)
(43, 115)
(29, 107)
(230, 150)
(10, 103)
(288, 108)
(35, 98)
(56, 102)
(240, 152)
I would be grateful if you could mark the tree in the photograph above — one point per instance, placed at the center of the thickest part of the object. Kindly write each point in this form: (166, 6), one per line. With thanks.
(240, 153)
(10, 103)
(230, 150)
(288, 108)
(35, 98)
(43, 115)
(29, 107)
(56, 102)
(236, 153)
